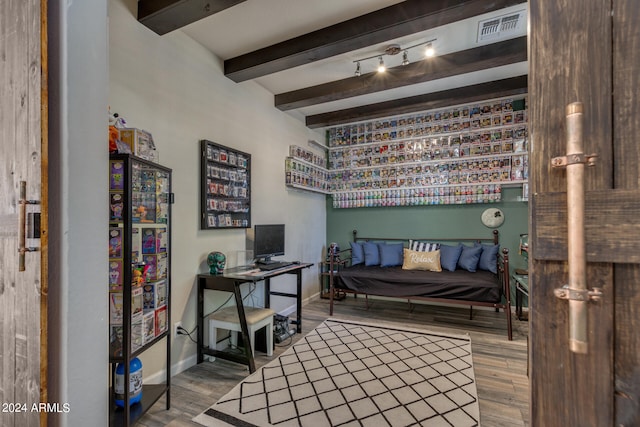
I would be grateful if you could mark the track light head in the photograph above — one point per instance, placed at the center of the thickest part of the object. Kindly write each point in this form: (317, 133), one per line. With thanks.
(381, 67)
(405, 58)
(429, 51)
(357, 73)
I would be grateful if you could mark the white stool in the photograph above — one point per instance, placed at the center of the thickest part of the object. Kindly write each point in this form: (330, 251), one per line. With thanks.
(227, 318)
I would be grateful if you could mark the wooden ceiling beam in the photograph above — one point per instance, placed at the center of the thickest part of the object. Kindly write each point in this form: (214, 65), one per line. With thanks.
(408, 17)
(474, 93)
(164, 16)
(463, 62)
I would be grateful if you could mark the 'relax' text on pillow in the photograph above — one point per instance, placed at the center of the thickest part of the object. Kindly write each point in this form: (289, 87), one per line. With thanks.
(417, 260)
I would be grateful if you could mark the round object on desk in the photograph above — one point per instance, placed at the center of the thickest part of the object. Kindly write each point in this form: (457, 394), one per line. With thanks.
(492, 217)
(216, 262)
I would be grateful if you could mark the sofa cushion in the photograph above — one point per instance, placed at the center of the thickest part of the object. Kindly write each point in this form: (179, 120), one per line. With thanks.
(489, 258)
(469, 258)
(371, 254)
(357, 253)
(390, 254)
(421, 260)
(449, 256)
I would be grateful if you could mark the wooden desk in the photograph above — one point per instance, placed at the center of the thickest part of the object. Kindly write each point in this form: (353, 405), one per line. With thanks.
(230, 281)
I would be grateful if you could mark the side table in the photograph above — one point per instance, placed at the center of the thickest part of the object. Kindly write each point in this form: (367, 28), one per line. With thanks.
(324, 279)
(522, 289)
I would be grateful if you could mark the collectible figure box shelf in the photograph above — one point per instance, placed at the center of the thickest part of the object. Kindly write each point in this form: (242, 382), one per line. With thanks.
(140, 142)
(162, 262)
(155, 295)
(149, 325)
(139, 278)
(161, 320)
(115, 308)
(457, 155)
(148, 240)
(306, 170)
(136, 302)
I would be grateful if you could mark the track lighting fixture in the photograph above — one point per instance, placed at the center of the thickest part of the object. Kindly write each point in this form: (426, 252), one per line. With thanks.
(405, 57)
(394, 49)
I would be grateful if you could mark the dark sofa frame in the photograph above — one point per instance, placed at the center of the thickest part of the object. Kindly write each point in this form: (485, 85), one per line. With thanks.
(502, 276)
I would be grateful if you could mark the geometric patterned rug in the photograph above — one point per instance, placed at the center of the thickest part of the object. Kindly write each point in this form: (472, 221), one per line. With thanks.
(346, 373)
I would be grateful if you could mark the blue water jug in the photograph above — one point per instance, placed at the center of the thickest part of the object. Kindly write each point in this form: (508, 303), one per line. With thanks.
(135, 382)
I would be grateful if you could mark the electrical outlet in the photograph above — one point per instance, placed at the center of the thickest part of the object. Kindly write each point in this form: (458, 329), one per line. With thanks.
(176, 326)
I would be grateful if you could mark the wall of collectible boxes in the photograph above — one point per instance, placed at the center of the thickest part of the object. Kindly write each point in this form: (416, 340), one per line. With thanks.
(145, 267)
(225, 187)
(306, 170)
(457, 155)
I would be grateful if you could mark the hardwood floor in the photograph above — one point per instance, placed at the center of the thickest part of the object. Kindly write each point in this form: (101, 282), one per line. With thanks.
(500, 365)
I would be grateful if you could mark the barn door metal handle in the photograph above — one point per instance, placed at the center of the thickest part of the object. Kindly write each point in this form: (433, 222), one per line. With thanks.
(22, 222)
(576, 291)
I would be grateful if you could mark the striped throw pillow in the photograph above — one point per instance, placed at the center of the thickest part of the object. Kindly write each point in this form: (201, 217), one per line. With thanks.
(416, 245)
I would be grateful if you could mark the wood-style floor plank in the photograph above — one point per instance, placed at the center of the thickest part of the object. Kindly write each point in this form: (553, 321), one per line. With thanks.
(500, 365)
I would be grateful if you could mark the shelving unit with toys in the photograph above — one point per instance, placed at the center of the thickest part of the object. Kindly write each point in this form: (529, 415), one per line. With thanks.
(139, 277)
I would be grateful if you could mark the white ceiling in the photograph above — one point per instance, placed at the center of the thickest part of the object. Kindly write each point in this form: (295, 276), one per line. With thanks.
(255, 24)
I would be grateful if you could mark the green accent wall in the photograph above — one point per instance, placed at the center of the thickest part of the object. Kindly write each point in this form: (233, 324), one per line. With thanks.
(432, 222)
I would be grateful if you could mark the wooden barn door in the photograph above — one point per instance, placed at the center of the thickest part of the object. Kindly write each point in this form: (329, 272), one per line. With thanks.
(22, 159)
(585, 51)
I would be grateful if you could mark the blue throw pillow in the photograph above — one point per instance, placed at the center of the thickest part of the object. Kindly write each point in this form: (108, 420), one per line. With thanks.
(357, 253)
(489, 258)
(371, 254)
(449, 256)
(391, 255)
(469, 258)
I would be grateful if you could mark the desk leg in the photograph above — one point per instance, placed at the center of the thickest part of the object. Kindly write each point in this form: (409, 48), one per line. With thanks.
(200, 320)
(299, 301)
(245, 329)
(267, 293)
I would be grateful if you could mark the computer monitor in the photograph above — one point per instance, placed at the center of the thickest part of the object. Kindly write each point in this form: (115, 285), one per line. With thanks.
(268, 241)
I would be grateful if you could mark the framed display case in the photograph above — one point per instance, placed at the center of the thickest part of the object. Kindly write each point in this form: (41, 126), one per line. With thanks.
(225, 187)
(139, 279)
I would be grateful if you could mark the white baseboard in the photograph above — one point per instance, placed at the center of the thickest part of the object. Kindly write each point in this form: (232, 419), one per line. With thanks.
(292, 308)
(176, 368)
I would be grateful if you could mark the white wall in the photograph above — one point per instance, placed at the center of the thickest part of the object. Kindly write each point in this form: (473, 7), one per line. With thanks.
(78, 306)
(175, 88)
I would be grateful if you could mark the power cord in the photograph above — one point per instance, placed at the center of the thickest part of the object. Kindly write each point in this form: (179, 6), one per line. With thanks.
(224, 304)
(182, 331)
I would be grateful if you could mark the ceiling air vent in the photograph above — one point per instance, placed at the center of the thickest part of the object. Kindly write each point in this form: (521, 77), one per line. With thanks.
(502, 26)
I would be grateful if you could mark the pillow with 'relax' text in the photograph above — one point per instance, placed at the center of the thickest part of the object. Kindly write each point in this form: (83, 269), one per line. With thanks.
(418, 260)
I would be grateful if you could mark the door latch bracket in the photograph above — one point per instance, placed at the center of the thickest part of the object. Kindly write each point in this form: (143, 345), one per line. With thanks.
(572, 159)
(567, 293)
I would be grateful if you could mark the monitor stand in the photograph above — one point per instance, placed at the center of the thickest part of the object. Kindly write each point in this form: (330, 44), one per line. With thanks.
(265, 261)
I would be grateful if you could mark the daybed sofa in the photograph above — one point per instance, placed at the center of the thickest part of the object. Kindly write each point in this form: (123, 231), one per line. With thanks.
(472, 272)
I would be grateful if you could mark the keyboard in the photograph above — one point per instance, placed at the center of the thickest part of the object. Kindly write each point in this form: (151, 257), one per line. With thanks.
(274, 265)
